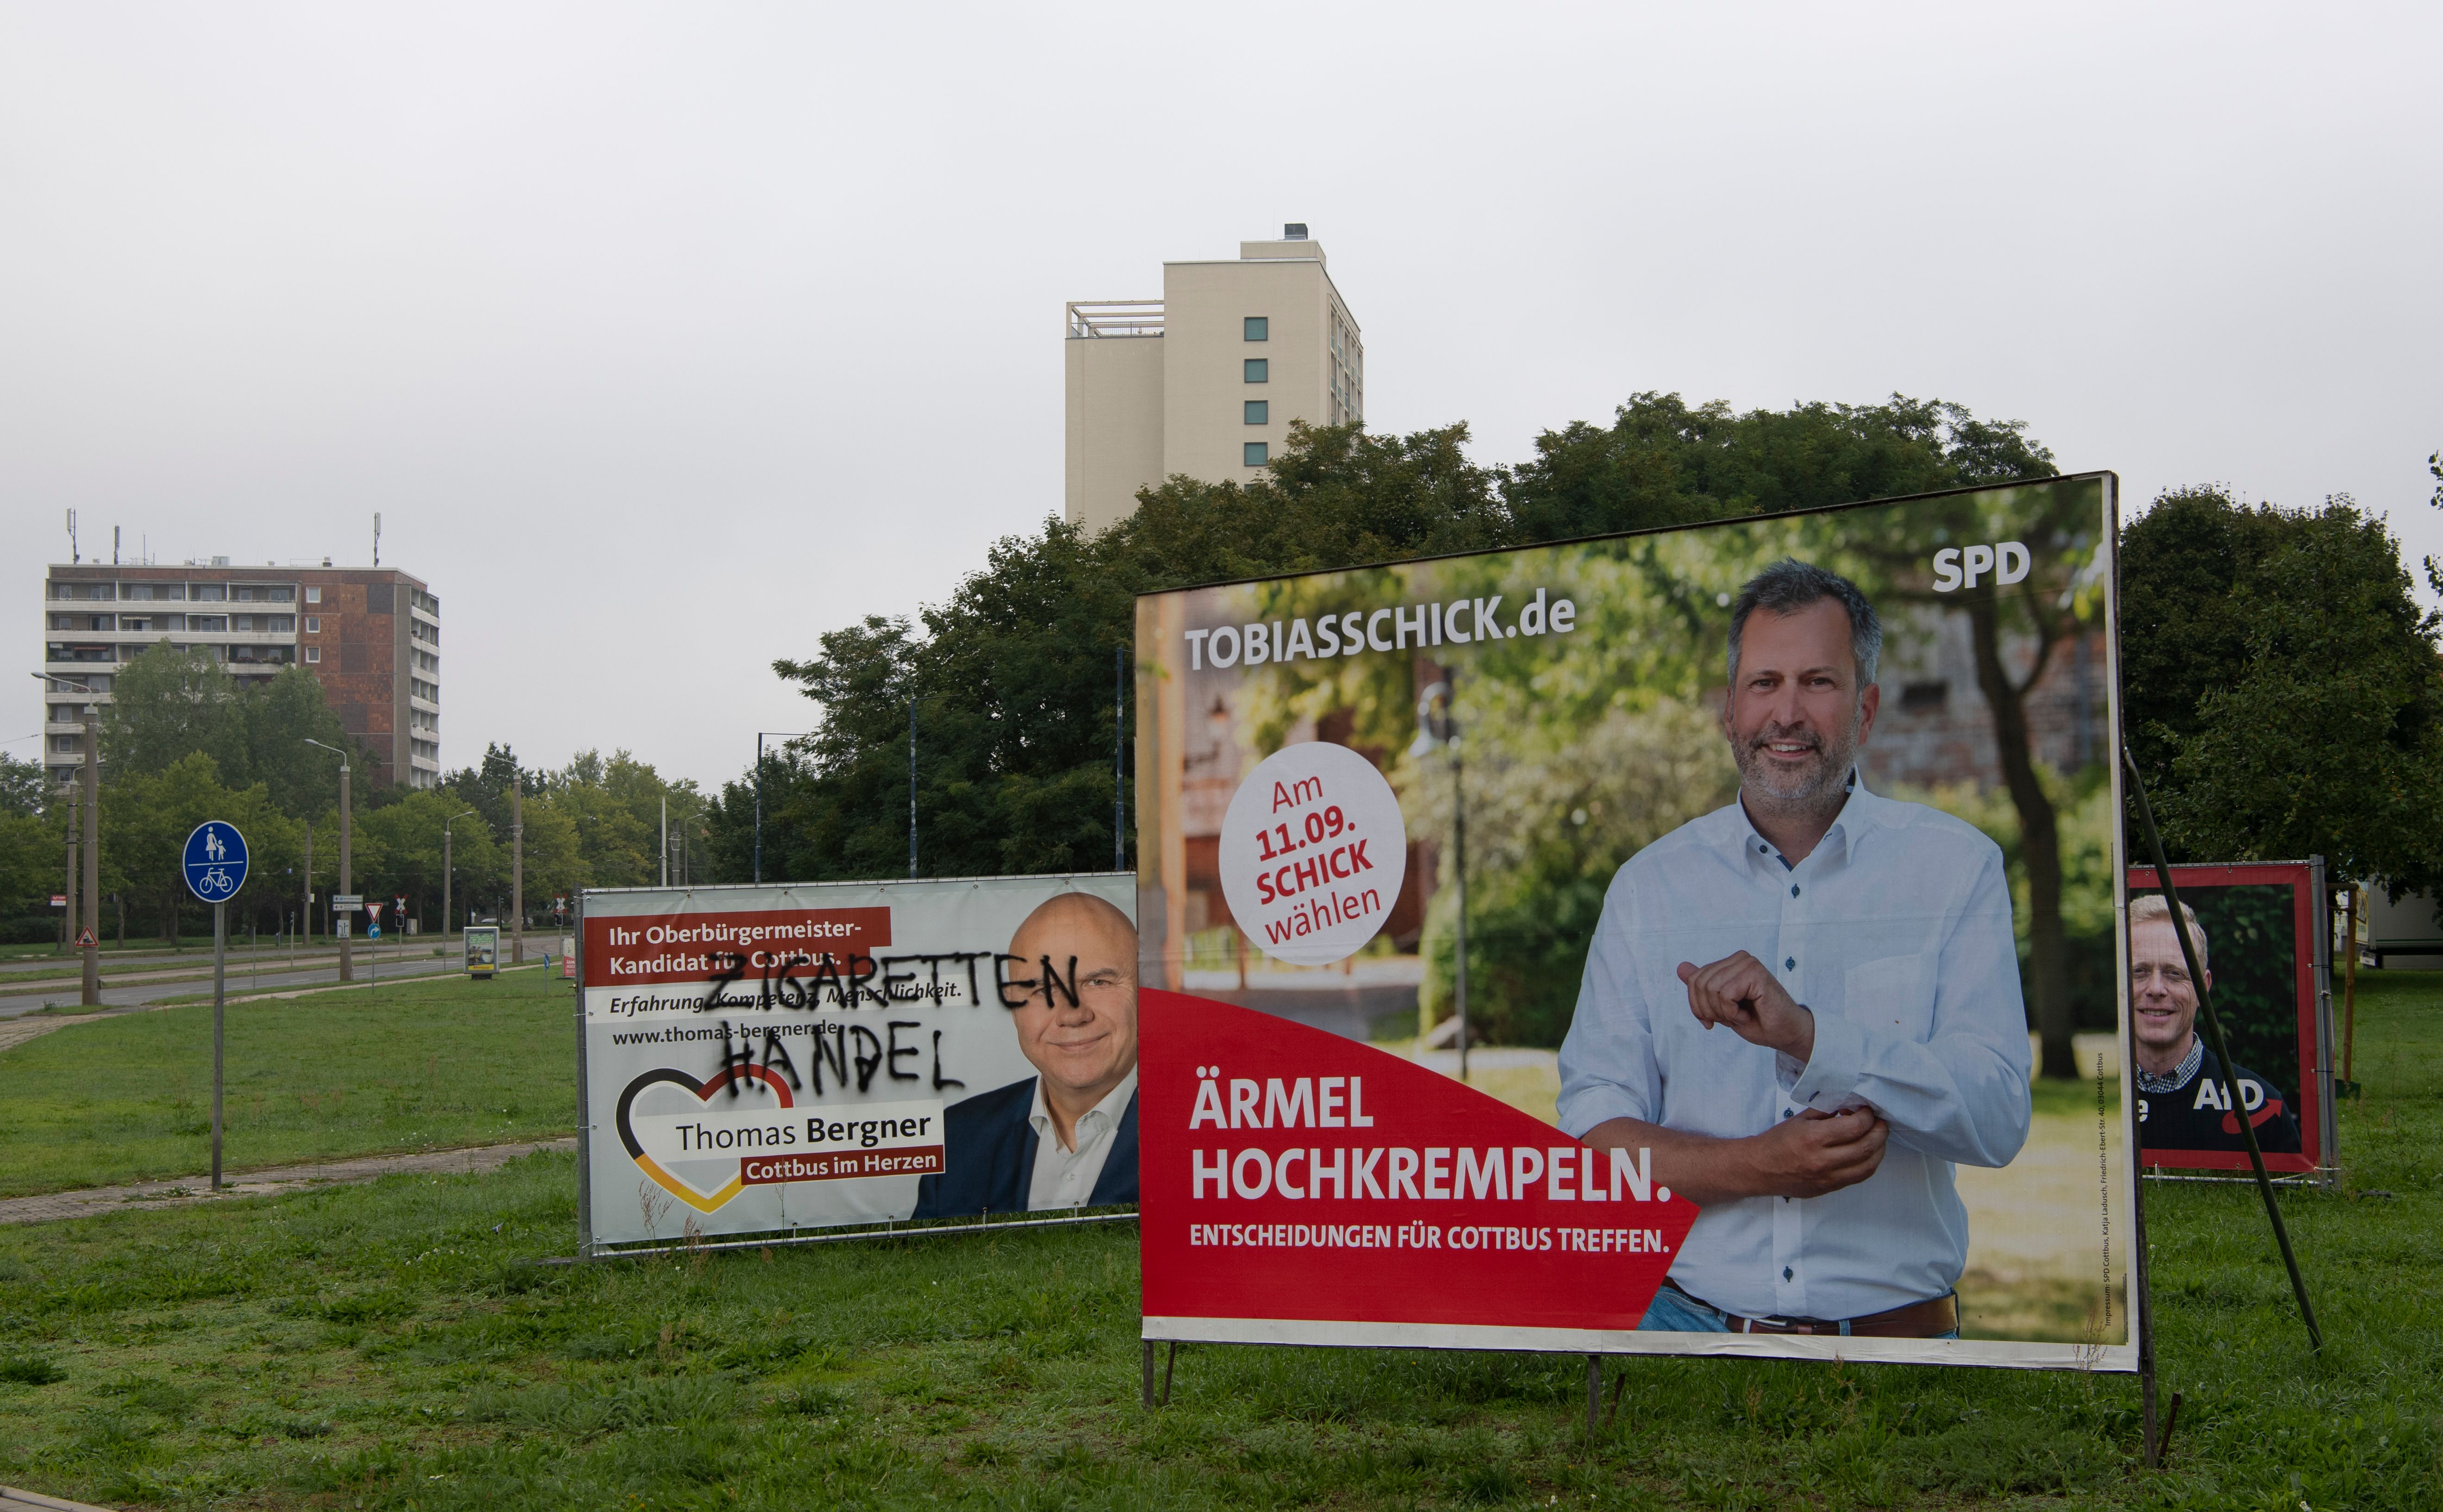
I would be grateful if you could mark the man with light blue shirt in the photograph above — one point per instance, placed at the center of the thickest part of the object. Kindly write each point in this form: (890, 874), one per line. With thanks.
(1856, 956)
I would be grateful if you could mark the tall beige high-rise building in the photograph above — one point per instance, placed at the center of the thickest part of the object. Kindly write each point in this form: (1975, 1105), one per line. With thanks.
(1205, 380)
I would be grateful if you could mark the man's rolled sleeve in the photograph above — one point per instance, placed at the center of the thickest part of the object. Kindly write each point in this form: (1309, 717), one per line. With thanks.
(1607, 1067)
(1833, 1068)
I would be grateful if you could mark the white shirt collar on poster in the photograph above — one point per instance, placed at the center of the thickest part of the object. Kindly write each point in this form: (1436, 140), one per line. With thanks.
(1895, 933)
(1065, 1178)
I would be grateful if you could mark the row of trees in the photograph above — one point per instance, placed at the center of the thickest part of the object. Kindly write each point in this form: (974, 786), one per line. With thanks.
(182, 742)
(2281, 688)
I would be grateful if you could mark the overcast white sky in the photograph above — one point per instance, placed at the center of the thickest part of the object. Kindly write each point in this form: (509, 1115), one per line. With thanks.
(668, 337)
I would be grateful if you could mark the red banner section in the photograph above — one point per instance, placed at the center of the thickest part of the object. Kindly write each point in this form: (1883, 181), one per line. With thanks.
(650, 949)
(1270, 1152)
(840, 1164)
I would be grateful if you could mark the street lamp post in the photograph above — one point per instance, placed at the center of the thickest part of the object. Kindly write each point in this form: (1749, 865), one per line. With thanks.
(347, 870)
(444, 873)
(91, 947)
(517, 870)
(1438, 727)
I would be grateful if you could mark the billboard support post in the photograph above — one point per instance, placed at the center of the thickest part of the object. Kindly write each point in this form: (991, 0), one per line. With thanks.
(2350, 990)
(2222, 1049)
(584, 1108)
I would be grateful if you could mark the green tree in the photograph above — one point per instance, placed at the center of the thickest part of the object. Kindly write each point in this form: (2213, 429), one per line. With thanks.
(146, 817)
(23, 792)
(2285, 697)
(167, 705)
(404, 838)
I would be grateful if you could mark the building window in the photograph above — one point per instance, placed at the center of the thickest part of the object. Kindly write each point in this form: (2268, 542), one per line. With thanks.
(1260, 370)
(64, 743)
(1924, 697)
(313, 654)
(313, 596)
(1257, 453)
(1259, 328)
(1259, 412)
(313, 624)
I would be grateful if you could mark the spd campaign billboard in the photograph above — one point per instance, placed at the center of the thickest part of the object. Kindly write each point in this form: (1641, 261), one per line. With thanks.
(1777, 865)
(757, 1060)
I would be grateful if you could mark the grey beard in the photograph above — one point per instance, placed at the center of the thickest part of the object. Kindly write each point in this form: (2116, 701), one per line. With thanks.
(1826, 787)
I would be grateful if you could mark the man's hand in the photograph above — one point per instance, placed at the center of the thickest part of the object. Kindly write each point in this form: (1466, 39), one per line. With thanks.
(1802, 1157)
(1816, 1153)
(1739, 991)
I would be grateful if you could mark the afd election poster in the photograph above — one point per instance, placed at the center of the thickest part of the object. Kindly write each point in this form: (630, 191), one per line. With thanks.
(1777, 864)
(757, 1060)
(2257, 928)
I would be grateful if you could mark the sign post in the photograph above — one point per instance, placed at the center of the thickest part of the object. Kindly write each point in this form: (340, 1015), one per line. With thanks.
(215, 863)
(372, 945)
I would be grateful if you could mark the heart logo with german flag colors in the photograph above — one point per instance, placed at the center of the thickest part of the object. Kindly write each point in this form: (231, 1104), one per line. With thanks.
(721, 1169)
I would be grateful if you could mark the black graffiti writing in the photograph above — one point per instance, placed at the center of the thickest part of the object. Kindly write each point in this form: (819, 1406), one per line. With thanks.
(896, 1050)
(1043, 986)
(854, 1055)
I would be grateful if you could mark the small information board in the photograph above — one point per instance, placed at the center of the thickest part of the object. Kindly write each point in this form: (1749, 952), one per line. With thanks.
(482, 950)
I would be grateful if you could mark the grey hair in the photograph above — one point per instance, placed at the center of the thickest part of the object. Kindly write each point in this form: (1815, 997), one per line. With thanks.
(1790, 585)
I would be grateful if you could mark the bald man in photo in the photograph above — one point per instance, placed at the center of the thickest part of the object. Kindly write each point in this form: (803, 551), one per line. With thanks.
(1066, 1136)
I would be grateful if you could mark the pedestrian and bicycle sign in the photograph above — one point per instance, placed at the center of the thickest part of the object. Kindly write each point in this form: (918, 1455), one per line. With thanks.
(215, 861)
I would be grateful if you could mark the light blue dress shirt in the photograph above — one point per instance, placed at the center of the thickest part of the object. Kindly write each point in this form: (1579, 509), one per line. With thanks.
(1895, 932)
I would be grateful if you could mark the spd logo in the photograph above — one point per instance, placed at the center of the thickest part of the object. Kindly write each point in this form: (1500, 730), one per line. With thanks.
(1959, 567)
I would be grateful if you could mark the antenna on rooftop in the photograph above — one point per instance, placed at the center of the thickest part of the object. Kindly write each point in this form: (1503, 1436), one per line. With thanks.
(114, 545)
(377, 538)
(72, 540)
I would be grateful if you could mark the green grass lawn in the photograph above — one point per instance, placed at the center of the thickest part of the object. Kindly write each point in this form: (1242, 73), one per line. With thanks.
(418, 1065)
(387, 1346)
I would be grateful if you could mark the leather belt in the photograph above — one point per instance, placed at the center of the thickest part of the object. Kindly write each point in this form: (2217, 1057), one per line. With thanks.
(1926, 1320)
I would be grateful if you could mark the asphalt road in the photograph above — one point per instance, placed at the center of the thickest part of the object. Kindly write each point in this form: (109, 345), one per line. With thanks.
(244, 978)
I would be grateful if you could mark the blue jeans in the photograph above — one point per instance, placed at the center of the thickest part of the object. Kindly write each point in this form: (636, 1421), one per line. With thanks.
(1677, 1313)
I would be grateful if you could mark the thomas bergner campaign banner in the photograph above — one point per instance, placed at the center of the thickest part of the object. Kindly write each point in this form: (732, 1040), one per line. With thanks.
(757, 1060)
(1777, 864)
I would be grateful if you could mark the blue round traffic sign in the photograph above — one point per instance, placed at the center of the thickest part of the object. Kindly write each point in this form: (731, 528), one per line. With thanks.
(215, 861)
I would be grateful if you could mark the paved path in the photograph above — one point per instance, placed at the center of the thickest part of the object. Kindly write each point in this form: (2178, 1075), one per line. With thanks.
(14, 1500)
(92, 1200)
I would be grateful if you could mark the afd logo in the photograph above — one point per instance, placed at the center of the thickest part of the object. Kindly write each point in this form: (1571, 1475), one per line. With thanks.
(1960, 566)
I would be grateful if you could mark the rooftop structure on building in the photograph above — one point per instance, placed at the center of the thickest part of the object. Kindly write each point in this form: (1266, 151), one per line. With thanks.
(370, 635)
(1205, 380)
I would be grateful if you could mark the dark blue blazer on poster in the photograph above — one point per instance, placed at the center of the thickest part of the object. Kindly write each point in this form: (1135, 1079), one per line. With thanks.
(989, 1156)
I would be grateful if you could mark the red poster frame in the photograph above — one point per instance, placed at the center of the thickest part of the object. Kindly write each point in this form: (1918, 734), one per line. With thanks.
(2300, 877)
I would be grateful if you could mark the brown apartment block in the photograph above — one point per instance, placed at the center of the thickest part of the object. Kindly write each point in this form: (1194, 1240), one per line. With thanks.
(370, 635)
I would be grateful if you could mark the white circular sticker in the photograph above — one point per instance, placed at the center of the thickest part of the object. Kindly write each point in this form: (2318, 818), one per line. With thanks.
(1313, 854)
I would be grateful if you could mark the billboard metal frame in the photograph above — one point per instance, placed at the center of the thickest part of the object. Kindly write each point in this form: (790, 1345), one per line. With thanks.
(2134, 1356)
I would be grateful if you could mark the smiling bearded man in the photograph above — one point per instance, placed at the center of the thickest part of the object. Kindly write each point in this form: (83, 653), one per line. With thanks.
(1858, 952)
(1067, 1137)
